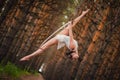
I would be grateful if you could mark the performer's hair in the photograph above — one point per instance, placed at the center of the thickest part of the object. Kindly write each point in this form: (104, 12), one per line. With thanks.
(68, 53)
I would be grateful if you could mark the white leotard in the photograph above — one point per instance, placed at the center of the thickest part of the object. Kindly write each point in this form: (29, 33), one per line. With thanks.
(65, 40)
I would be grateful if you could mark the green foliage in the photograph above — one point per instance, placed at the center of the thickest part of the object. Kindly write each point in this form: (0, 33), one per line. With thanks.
(11, 70)
(34, 72)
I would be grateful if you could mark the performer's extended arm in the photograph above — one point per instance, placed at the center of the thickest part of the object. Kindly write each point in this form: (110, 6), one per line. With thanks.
(72, 45)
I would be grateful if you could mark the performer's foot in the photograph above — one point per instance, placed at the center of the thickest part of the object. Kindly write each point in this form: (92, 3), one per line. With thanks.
(84, 12)
(26, 58)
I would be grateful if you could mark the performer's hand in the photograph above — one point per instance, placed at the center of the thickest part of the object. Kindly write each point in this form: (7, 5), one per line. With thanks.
(26, 58)
(75, 56)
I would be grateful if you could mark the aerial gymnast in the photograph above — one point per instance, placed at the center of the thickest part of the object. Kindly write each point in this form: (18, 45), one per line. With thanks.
(63, 38)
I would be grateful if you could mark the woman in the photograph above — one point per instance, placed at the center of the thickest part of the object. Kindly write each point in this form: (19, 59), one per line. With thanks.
(65, 37)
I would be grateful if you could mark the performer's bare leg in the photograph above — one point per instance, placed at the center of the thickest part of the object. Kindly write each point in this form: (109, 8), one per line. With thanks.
(73, 23)
(41, 49)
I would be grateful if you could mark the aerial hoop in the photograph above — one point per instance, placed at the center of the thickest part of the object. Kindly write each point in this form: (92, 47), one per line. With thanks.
(49, 37)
